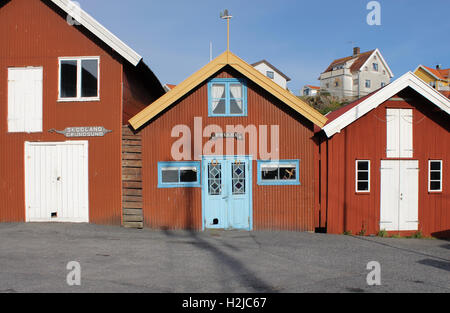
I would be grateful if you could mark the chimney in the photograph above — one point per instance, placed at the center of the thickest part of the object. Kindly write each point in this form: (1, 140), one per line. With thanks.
(438, 67)
(356, 51)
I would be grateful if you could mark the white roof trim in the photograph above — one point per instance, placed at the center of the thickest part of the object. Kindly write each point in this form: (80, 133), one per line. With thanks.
(382, 60)
(407, 80)
(99, 30)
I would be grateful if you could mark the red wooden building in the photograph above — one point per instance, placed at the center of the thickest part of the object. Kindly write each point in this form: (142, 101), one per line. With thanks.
(383, 160)
(66, 86)
(228, 148)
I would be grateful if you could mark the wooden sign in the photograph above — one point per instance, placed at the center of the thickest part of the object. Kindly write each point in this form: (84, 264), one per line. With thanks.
(88, 131)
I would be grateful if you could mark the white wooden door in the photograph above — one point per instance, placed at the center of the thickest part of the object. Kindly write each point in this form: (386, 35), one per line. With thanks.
(56, 182)
(409, 195)
(399, 195)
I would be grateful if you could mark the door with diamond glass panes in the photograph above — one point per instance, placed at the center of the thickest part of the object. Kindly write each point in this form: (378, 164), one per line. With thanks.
(227, 192)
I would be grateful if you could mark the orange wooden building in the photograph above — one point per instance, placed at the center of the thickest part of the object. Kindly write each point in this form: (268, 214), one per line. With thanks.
(383, 163)
(66, 86)
(228, 148)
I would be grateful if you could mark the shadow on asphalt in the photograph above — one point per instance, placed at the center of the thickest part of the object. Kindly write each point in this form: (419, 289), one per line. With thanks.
(437, 264)
(245, 275)
(401, 249)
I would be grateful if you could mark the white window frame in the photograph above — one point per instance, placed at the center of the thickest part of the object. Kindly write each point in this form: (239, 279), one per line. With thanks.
(368, 83)
(356, 177)
(78, 98)
(429, 175)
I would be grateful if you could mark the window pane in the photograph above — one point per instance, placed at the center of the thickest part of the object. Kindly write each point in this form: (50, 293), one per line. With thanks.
(218, 106)
(363, 175)
(435, 185)
(169, 175)
(288, 172)
(269, 173)
(89, 78)
(363, 186)
(236, 107)
(435, 175)
(68, 83)
(363, 166)
(188, 175)
(218, 91)
(214, 179)
(435, 166)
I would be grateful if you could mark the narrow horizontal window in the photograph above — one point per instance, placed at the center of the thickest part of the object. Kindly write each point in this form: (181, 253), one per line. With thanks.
(227, 97)
(362, 176)
(282, 172)
(178, 174)
(79, 79)
(435, 176)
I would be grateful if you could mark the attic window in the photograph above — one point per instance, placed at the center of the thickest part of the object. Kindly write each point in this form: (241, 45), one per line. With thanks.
(227, 97)
(270, 74)
(79, 79)
(375, 67)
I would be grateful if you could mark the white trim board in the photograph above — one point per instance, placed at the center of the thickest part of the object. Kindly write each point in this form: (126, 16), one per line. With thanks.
(382, 61)
(99, 30)
(382, 95)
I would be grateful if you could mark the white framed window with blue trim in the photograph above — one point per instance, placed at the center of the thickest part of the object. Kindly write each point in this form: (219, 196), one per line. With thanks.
(227, 97)
(178, 174)
(280, 172)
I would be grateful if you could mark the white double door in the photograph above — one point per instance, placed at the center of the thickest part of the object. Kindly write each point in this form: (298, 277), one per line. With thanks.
(56, 182)
(399, 195)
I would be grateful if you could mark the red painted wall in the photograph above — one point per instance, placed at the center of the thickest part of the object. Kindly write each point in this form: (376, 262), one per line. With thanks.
(274, 207)
(33, 34)
(345, 210)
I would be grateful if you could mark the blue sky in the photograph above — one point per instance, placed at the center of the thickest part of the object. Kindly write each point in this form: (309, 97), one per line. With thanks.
(299, 37)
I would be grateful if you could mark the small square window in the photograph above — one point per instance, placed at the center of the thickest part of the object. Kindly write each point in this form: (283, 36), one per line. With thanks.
(270, 74)
(435, 176)
(79, 79)
(362, 176)
(227, 97)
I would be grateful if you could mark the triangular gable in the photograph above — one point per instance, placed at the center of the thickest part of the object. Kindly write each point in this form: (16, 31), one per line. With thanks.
(380, 56)
(227, 58)
(378, 97)
(99, 30)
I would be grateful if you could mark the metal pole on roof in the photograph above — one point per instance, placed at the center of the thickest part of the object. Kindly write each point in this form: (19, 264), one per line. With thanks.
(226, 16)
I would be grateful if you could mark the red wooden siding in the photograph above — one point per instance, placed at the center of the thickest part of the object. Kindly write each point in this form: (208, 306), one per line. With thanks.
(365, 139)
(274, 207)
(32, 34)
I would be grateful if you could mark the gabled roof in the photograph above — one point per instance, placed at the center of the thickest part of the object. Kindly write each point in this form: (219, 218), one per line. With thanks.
(169, 87)
(272, 67)
(348, 114)
(98, 30)
(227, 58)
(441, 74)
(359, 61)
(313, 87)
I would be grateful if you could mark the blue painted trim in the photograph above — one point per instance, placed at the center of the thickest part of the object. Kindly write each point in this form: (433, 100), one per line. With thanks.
(227, 82)
(179, 164)
(279, 182)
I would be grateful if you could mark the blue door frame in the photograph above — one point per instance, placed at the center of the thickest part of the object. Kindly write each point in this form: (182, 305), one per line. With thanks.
(227, 192)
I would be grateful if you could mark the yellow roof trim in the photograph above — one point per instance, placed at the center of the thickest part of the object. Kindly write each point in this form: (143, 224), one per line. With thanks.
(227, 58)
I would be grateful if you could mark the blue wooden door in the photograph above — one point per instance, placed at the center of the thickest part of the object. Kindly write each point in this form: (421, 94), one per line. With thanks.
(227, 192)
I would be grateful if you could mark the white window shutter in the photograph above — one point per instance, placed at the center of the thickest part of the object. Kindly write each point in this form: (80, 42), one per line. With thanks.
(25, 99)
(392, 133)
(406, 133)
(34, 106)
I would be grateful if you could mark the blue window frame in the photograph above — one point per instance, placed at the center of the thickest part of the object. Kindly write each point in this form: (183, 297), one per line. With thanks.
(281, 172)
(178, 174)
(227, 97)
